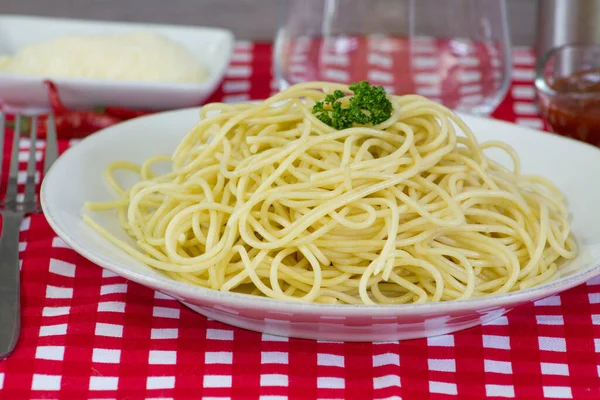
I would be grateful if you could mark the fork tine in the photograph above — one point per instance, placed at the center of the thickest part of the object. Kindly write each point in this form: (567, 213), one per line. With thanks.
(11, 188)
(51, 152)
(2, 133)
(29, 199)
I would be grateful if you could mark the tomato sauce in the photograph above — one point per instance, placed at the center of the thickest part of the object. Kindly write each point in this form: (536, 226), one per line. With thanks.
(570, 114)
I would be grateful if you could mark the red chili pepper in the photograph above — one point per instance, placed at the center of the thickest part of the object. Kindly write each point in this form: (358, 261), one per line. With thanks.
(69, 125)
(73, 124)
(54, 98)
(125, 113)
(77, 124)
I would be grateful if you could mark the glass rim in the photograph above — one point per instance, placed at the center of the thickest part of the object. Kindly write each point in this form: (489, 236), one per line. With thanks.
(540, 81)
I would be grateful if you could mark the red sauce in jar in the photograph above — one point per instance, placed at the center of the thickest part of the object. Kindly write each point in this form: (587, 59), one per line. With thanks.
(570, 115)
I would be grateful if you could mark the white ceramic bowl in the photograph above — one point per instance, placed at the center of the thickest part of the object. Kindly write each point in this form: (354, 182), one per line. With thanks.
(213, 48)
(78, 177)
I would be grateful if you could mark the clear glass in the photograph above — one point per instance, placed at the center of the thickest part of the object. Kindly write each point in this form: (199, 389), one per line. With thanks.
(456, 52)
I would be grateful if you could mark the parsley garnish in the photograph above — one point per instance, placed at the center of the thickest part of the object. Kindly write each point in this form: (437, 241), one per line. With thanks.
(369, 105)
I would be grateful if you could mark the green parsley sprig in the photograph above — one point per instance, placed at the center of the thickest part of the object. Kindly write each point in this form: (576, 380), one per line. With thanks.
(369, 105)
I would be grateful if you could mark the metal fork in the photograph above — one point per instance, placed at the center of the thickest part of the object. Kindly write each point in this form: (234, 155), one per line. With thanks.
(13, 210)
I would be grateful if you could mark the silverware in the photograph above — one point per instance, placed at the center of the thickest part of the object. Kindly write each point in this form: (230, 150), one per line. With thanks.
(13, 209)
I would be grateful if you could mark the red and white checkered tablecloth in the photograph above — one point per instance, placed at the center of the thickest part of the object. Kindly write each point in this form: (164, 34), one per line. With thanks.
(87, 333)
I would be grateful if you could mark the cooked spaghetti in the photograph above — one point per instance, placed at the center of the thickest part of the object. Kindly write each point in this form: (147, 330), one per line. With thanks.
(266, 199)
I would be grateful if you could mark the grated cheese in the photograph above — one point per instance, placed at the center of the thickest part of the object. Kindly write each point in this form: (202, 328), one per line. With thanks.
(135, 56)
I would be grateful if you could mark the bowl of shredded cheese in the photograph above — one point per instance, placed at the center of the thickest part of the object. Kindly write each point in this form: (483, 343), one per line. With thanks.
(97, 63)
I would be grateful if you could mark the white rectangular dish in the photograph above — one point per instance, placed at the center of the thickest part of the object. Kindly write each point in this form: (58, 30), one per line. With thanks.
(213, 48)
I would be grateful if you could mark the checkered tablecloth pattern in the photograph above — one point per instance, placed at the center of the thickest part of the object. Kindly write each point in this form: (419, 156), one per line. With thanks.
(87, 333)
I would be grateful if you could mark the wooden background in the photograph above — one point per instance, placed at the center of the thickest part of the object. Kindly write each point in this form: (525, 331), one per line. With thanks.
(248, 19)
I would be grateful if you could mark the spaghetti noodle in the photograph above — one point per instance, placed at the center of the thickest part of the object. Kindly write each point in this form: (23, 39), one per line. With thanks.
(265, 199)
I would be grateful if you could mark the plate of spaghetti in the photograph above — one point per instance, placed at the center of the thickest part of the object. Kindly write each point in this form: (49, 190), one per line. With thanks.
(333, 212)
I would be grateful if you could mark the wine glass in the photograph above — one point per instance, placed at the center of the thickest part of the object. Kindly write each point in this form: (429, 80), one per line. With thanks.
(456, 52)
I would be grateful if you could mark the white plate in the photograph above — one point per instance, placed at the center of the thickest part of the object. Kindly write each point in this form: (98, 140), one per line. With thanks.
(213, 48)
(78, 177)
